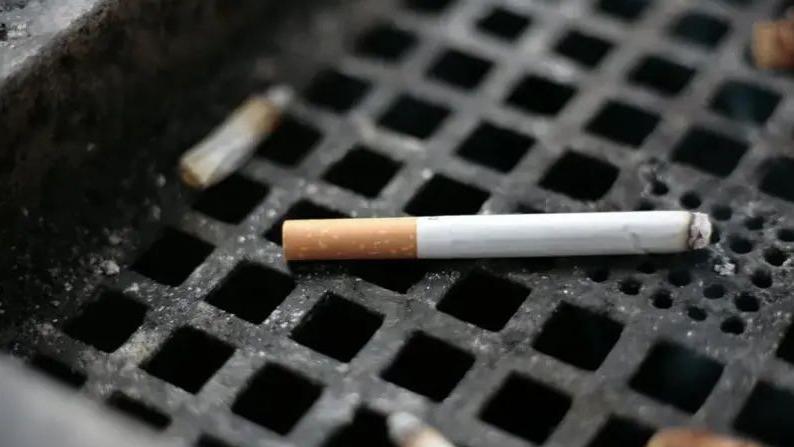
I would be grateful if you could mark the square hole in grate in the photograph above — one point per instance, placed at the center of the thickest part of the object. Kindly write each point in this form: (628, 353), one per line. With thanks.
(628, 10)
(385, 42)
(363, 171)
(709, 151)
(428, 6)
(580, 176)
(661, 75)
(767, 415)
(57, 370)
(578, 336)
(251, 292)
(539, 95)
(745, 102)
(585, 49)
(108, 322)
(172, 258)
(700, 29)
(776, 178)
(495, 147)
(301, 210)
(442, 195)
(465, 301)
(337, 327)
(623, 123)
(231, 200)
(336, 91)
(503, 24)
(508, 409)
(397, 276)
(368, 428)
(211, 441)
(188, 359)
(622, 432)
(139, 411)
(660, 377)
(277, 398)
(428, 366)
(290, 142)
(459, 69)
(413, 117)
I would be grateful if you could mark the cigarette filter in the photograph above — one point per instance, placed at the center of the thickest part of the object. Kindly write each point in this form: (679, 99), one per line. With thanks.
(513, 235)
(405, 430)
(773, 44)
(232, 143)
(687, 437)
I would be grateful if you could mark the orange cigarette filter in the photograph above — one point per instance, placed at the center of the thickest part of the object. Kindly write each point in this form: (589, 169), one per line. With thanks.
(688, 437)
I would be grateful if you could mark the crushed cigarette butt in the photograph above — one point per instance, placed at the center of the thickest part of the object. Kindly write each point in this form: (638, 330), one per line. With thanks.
(406, 430)
(688, 437)
(773, 44)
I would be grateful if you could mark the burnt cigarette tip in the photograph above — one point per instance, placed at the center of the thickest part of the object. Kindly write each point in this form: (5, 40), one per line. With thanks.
(700, 231)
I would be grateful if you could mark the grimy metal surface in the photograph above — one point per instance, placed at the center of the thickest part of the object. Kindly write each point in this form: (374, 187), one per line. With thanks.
(456, 107)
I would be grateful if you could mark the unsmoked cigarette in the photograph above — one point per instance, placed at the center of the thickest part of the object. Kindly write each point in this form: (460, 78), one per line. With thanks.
(688, 437)
(497, 236)
(406, 430)
(234, 141)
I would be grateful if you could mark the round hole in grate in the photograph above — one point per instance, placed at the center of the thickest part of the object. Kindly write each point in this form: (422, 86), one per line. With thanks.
(696, 313)
(659, 188)
(716, 236)
(598, 274)
(740, 245)
(690, 200)
(746, 302)
(774, 256)
(679, 277)
(714, 291)
(732, 325)
(761, 279)
(662, 299)
(722, 212)
(647, 267)
(786, 234)
(754, 223)
(630, 286)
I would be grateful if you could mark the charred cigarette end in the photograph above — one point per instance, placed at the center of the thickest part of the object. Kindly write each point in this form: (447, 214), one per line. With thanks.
(406, 430)
(699, 231)
(685, 437)
(773, 44)
(232, 143)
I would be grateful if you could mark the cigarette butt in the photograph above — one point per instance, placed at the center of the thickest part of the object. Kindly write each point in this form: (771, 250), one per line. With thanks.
(233, 142)
(406, 430)
(687, 437)
(513, 235)
(773, 44)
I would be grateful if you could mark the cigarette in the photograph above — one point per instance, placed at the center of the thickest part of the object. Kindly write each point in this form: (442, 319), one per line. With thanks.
(232, 143)
(773, 44)
(686, 437)
(496, 236)
(406, 430)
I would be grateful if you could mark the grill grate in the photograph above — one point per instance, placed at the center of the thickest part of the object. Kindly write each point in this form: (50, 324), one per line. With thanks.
(596, 105)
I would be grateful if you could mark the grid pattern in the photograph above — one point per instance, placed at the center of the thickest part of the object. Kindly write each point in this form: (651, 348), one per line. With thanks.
(606, 105)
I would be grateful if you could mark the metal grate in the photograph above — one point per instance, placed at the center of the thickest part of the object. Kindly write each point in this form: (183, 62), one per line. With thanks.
(595, 105)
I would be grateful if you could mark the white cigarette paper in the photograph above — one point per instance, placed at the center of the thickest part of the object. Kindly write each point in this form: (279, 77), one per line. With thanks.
(406, 430)
(233, 142)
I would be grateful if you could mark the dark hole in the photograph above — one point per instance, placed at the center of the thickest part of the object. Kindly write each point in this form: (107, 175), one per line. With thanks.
(397, 276)
(465, 300)
(580, 176)
(745, 102)
(786, 234)
(427, 6)
(754, 223)
(732, 325)
(495, 147)
(578, 336)
(740, 244)
(777, 175)
(714, 291)
(623, 123)
(628, 10)
(503, 24)
(622, 432)
(662, 299)
(660, 376)
(709, 152)
(584, 49)
(363, 171)
(290, 142)
(251, 292)
(413, 116)
(679, 277)
(700, 29)
(647, 267)
(188, 359)
(645, 205)
(661, 75)
(55, 369)
(767, 415)
(337, 327)
(507, 409)
(721, 212)
(539, 95)
(368, 428)
(630, 286)
(690, 200)
(774, 256)
(107, 323)
(428, 366)
(336, 91)
(301, 210)
(598, 274)
(139, 411)
(747, 302)
(276, 398)
(659, 188)
(696, 313)
(761, 279)
(385, 42)
(459, 69)
(715, 234)
(211, 441)
(172, 258)
(442, 195)
(231, 200)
